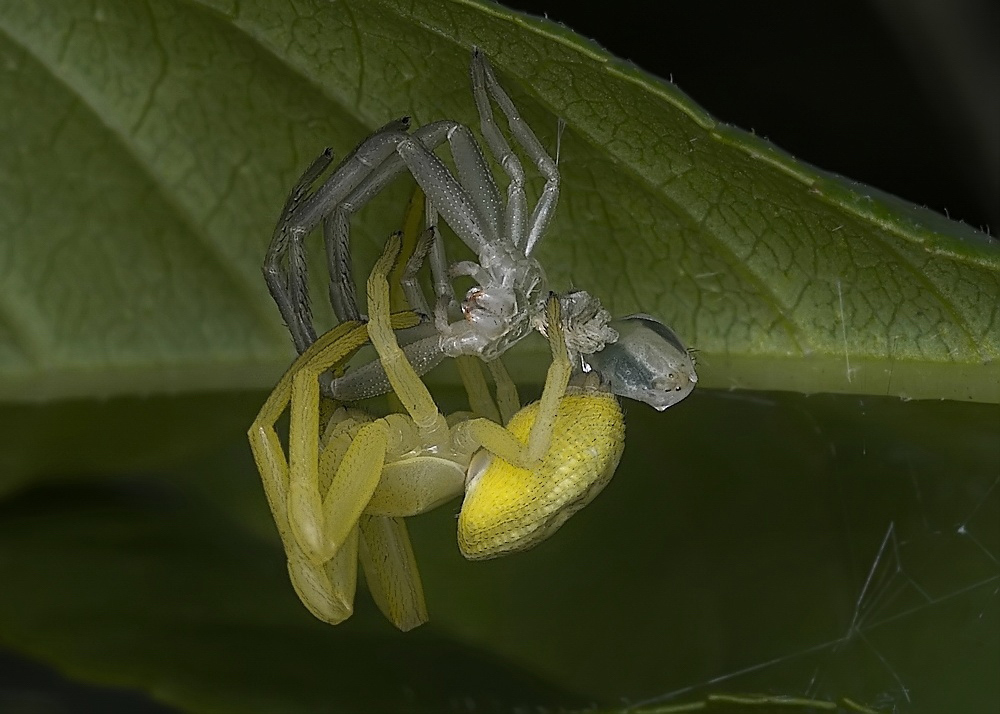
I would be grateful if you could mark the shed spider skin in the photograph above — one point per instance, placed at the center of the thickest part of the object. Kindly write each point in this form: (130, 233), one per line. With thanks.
(342, 493)
(643, 358)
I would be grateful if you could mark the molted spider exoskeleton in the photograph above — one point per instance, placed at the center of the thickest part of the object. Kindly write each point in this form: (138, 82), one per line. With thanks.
(509, 300)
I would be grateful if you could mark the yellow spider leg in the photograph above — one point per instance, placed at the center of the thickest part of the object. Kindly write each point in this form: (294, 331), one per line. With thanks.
(327, 591)
(469, 369)
(269, 455)
(405, 381)
(498, 440)
(475, 385)
(320, 523)
(507, 397)
(391, 571)
(331, 349)
(556, 381)
(411, 235)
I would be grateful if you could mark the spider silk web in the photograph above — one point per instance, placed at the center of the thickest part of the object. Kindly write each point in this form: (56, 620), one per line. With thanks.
(915, 625)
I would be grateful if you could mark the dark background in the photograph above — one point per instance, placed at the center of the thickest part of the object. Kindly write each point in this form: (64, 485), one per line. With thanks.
(900, 94)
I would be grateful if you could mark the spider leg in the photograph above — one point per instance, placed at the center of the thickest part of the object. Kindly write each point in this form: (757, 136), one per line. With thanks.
(444, 293)
(337, 219)
(517, 207)
(480, 400)
(420, 246)
(288, 287)
(556, 381)
(507, 397)
(470, 269)
(361, 175)
(405, 381)
(408, 280)
(418, 237)
(302, 212)
(473, 215)
(370, 379)
(499, 441)
(391, 571)
(327, 591)
(483, 78)
(423, 353)
(321, 522)
(326, 588)
(334, 347)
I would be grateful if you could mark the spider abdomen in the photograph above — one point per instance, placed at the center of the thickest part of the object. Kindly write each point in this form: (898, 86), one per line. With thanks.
(509, 509)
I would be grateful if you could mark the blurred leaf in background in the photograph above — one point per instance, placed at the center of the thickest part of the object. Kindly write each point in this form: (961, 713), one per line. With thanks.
(833, 547)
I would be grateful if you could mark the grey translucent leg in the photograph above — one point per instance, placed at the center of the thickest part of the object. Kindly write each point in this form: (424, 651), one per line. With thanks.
(288, 292)
(484, 81)
(369, 379)
(288, 283)
(364, 173)
(517, 204)
(423, 350)
(306, 211)
(336, 227)
(343, 296)
(409, 281)
(444, 294)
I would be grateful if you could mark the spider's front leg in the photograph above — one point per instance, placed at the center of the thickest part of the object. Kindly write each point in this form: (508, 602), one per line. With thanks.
(552, 459)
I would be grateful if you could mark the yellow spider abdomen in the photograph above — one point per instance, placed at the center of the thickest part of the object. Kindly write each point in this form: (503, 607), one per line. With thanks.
(508, 509)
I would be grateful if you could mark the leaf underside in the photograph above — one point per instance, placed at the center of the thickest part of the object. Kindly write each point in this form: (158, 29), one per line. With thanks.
(149, 146)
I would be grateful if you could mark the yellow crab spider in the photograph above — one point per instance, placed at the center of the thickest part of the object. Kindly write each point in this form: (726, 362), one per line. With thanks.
(342, 495)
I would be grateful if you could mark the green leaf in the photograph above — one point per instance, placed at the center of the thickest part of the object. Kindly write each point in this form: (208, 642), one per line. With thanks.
(120, 435)
(149, 146)
(816, 554)
(130, 585)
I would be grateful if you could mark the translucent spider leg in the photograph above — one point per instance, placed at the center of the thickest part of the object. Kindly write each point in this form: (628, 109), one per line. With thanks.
(418, 236)
(485, 82)
(362, 175)
(470, 369)
(424, 353)
(517, 204)
(468, 159)
(288, 288)
(289, 285)
(371, 379)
